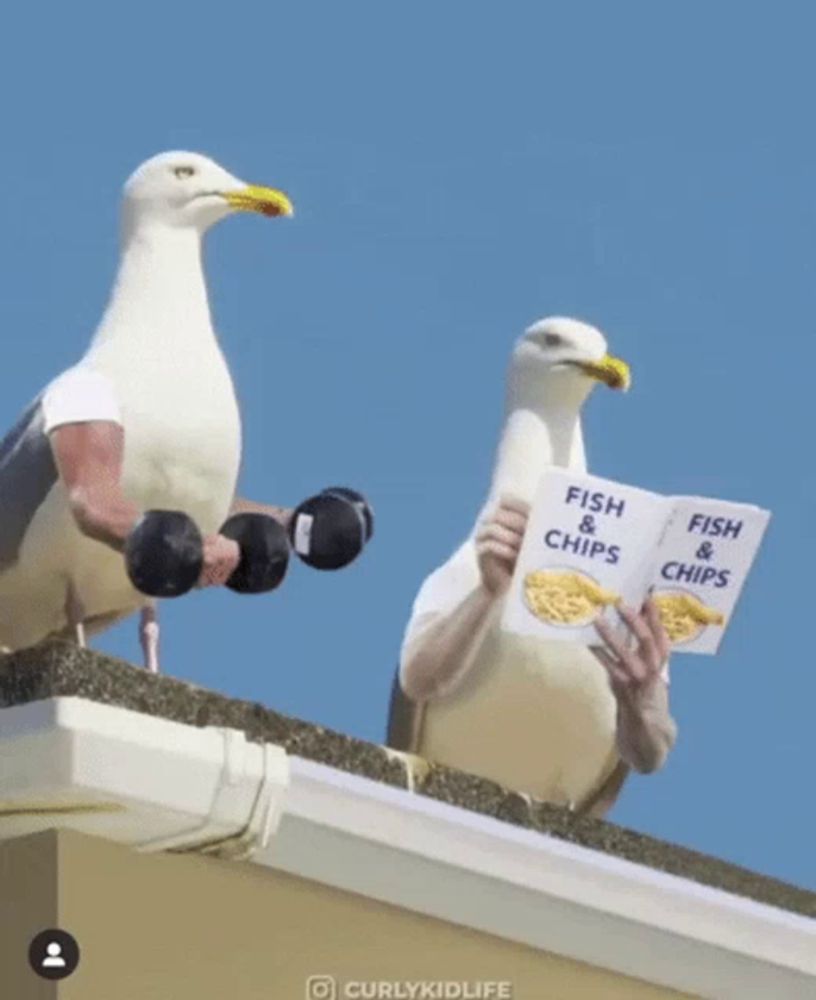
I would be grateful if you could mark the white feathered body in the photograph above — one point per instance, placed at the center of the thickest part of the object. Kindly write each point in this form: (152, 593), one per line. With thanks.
(182, 440)
(532, 715)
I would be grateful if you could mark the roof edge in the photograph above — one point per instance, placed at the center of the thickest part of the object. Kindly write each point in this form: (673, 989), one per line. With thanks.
(157, 784)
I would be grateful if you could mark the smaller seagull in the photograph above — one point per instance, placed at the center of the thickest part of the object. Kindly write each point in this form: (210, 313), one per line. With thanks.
(534, 715)
(147, 419)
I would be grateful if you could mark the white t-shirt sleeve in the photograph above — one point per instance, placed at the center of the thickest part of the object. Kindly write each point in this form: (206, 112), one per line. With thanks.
(80, 395)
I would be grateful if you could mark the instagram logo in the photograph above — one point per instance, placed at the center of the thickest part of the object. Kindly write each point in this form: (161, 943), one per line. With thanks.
(321, 988)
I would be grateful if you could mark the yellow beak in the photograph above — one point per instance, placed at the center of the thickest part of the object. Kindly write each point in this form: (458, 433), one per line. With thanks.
(253, 198)
(611, 371)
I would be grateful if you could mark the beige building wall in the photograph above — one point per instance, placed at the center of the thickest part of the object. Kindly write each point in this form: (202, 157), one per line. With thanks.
(185, 927)
(28, 904)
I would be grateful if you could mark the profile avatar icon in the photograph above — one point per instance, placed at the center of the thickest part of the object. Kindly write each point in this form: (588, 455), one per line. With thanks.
(54, 959)
(53, 954)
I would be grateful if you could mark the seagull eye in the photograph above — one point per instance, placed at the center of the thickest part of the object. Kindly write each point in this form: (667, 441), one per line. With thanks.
(182, 173)
(553, 339)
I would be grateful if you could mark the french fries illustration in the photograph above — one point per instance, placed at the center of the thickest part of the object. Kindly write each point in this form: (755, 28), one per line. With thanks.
(562, 597)
(684, 616)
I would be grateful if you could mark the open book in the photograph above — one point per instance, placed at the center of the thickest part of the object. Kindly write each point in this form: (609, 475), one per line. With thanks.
(592, 543)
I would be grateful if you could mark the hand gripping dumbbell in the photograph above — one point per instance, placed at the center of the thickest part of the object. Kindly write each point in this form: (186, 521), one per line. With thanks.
(330, 530)
(164, 553)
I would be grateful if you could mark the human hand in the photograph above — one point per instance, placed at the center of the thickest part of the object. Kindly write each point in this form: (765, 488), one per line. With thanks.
(221, 558)
(498, 543)
(633, 672)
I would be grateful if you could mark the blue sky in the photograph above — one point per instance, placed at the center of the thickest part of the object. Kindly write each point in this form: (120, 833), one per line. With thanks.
(460, 170)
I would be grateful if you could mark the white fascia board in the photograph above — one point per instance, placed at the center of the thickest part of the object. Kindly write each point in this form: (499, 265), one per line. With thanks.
(538, 890)
(156, 785)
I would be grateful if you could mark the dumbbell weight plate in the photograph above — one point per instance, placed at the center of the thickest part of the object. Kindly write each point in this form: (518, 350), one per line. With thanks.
(264, 552)
(164, 554)
(328, 531)
(359, 502)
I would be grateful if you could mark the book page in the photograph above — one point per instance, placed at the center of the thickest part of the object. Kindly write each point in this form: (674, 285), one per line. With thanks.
(590, 543)
(704, 558)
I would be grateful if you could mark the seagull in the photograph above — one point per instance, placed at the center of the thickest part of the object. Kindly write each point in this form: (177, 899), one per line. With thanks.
(536, 716)
(154, 366)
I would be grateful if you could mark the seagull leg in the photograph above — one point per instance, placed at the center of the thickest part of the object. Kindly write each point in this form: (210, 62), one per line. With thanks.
(149, 637)
(75, 613)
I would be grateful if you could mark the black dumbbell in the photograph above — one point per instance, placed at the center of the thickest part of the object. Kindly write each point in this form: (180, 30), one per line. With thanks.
(264, 552)
(164, 554)
(330, 530)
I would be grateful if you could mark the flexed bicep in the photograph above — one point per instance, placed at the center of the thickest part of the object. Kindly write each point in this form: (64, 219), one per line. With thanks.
(89, 458)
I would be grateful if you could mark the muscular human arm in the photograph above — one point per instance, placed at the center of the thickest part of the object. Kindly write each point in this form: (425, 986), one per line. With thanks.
(443, 652)
(646, 731)
(282, 515)
(89, 459)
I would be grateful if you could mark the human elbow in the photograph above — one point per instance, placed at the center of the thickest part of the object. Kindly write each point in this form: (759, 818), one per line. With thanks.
(653, 754)
(82, 510)
(417, 684)
(415, 688)
(648, 763)
(90, 512)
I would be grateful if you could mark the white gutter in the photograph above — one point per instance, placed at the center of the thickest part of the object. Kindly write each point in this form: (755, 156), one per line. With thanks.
(156, 785)
(153, 784)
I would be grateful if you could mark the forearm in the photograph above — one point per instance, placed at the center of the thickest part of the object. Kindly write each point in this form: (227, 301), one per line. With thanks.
(281, 514)
(104, 515)
(108, 516)
(646, 732)
(440, 657)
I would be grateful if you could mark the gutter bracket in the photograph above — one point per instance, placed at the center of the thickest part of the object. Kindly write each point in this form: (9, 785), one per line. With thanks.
(253, 828)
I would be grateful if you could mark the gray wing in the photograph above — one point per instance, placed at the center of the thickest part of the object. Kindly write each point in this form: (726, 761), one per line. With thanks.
(27, 473)
(404, 720)
(601, 801)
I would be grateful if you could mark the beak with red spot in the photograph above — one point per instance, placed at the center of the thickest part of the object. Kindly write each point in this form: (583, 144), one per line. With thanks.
(255, 198)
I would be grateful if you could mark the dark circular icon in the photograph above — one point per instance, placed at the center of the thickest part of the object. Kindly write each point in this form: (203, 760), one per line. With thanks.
(53, 954)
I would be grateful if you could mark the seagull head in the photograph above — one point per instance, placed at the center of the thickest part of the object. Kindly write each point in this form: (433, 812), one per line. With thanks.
(568, 355)
(187, 190)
